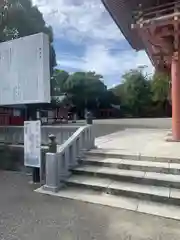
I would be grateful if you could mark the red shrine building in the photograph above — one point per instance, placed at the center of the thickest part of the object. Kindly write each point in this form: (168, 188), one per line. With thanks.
(154, 26)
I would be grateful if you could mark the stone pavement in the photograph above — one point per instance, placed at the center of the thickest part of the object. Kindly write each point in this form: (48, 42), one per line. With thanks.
(26, 215)
(144, 142)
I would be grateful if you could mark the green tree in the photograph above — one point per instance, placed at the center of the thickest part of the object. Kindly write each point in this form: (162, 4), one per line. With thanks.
(19, 18)
(85, 89)
(160, 88)
(120, 94)
(135, 93)
(58, 82)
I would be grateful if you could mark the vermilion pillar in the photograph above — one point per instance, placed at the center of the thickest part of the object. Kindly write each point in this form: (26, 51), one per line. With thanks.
(175, 75)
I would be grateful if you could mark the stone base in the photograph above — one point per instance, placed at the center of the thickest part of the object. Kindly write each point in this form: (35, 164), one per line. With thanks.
(51, 189)
(170, 139)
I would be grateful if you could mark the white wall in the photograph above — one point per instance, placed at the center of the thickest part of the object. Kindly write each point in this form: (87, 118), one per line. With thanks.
(24, 70)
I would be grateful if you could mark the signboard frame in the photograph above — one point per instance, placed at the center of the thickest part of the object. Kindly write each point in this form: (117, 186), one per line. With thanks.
(32, 144)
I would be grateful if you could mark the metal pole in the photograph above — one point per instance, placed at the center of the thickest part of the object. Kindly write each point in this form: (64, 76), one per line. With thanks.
(35, 171)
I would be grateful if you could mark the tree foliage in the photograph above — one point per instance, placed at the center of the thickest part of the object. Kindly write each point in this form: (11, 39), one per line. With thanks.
(141, 96)
(160, 87)
(84, 89)
(58, 82)
(136, 93)
(84, 85)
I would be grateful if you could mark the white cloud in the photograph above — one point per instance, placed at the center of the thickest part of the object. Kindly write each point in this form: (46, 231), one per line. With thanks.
(79, 20)
(87, 22)
(99, 59)
(108, 64)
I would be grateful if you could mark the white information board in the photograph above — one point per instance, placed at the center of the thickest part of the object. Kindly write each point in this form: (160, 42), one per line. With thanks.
(25, 70)
(32, 144)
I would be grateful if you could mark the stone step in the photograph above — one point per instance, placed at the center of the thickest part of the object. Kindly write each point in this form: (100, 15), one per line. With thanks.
(146, 166)
(139, 191)
(147, 178)
(120, 154)
(129, 203)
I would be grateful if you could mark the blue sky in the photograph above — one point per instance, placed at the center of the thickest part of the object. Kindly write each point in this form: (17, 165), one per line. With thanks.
(87, 39)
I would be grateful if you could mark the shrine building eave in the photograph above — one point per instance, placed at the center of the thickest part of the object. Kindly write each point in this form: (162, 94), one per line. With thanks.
(122, 12)
(148, 25)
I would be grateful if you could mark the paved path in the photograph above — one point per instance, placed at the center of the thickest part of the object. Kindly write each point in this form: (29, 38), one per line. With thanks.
(144, 142)
(26, 215)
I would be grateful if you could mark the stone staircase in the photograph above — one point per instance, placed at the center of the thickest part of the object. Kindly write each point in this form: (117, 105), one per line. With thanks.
(142, 184)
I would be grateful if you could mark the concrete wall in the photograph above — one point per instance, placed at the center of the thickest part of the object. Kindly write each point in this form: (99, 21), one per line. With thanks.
(12, 140)
(12, 157)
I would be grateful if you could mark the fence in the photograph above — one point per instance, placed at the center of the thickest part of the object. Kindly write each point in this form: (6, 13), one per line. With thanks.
(15, 135)
(58, 165)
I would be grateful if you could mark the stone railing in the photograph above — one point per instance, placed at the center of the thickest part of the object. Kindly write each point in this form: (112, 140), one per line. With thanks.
(58, 165)
(15, 135)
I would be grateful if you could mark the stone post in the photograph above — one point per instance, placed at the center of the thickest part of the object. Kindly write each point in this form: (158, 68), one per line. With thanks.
(89, 118)
(52, 144)
(52, 177)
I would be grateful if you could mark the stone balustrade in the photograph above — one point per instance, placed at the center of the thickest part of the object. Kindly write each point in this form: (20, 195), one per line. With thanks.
(14, 135)
(58, 165)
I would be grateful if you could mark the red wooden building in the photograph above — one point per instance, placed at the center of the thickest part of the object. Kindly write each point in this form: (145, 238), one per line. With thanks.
(154, 26)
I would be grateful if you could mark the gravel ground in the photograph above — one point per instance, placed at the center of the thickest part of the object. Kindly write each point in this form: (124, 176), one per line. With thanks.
(26, 215)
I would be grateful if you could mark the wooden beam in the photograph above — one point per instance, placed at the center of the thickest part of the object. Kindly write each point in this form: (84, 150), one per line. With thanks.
(165, 5)
(162, 18)
(157, 23)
